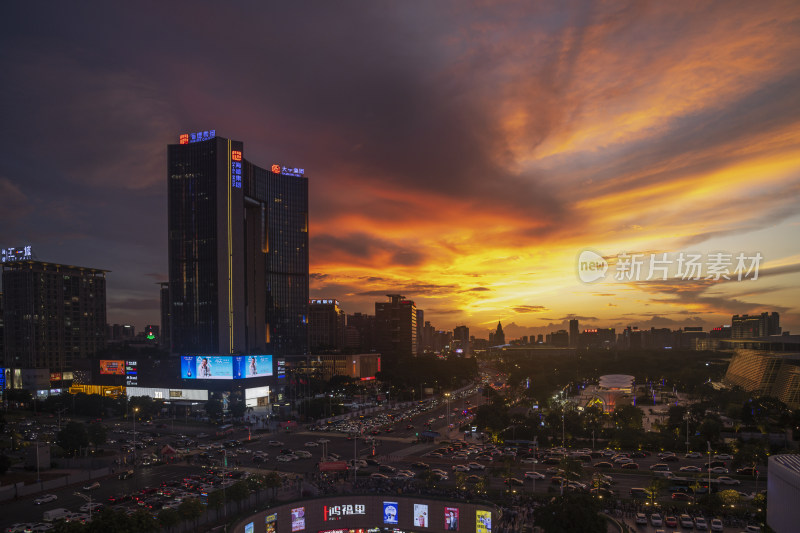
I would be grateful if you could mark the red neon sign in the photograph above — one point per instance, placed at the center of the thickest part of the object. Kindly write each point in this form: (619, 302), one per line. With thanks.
(184, 138)
(236, 155)
(276, 169)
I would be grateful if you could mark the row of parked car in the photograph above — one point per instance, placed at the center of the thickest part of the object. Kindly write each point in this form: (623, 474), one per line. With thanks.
(686, 521)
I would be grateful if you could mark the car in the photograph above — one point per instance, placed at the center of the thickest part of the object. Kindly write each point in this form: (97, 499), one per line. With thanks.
(656, 520)
(285, 458)
(275, 443)
(752, 529)
(418, 464)
(92, 486)
(686, 521)
(376, 475)
(630, 466)
(725, 480)
(670, 458)
(461, 468)
(514, 482)
(747, 471)
(717, 463)
(476, 466)
(323, 440)
(690, 469)
(694, 455)
(94, 506)
(311, 444)
(700, 524)
(47, 498)
(387, 468)
(603, 464)
(670, 521)
(723, 457)
(529, 461)
(534, 475)
(663, 467)
(641, 519)
(126, 474)
(681, 497)
(718, 470)
(716, 525)
(473, 479)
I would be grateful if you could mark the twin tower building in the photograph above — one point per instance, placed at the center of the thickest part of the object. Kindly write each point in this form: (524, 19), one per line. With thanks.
(238, 251)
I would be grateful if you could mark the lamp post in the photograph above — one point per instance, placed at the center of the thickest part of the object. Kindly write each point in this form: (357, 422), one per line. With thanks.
(89, 500)
(708, 442)
(447, 397)
(135, 410)
(687, 432)
(562, 431)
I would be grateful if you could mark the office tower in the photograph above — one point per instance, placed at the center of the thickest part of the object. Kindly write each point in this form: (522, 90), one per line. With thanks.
(499, 337)
(574, 333)
(420, 325)
(361, 332)
(559, 338)
(461, 340)
(52, 314)
(754, 326)
(238, 251)
(326, 323)
(428, 335)
(396, 328)
(165, 342)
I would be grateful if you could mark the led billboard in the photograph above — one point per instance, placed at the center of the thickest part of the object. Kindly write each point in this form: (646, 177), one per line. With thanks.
(252, 366)
(483, 522)
(112, 367)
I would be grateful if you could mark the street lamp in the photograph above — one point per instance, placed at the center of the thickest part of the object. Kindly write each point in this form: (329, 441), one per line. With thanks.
(447, 397)
(89, 500)
(135, 410)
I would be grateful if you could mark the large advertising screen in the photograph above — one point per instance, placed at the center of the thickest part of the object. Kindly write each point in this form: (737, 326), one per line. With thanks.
(451, 518)
(252, 366)
(249, 528)
(298, 519)
(483, 521)
(420, 515)
(225, 366)
(112, 367)
(271, 521)
(390, 512)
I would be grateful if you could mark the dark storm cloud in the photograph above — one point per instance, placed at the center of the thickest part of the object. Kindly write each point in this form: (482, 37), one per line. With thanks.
(529, 308)
(361, 247)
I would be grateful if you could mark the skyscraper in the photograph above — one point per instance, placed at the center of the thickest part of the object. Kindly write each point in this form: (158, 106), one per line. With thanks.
(754, 326)
(53, 314)
(574, 332)
(499, 337)
(326, 323)
(238, 251)
(396, 328)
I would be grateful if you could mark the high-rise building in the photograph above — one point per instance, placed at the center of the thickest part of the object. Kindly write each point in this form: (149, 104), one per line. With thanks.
(499, 338)
(574, 333)
(396, 328)
(164, 341)
(52, 314)
(238, 251)
(361, 332)
(754, 326)
(461, 340)
(420, 325)
(326, 323)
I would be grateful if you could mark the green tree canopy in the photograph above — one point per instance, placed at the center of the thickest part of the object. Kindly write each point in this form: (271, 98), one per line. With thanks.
(570, 513)
(73, 437)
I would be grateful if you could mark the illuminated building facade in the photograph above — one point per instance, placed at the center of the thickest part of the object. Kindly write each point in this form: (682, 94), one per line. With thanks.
(396, 327)
(52, 314)
(238, 251)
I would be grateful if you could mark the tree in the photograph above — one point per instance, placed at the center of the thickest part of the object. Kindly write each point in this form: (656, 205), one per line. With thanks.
(237, 408)
(169, 518)
(142, 521)
(216, 499)
(628, 417)
(569, 513)
(191, 509)
(97, 434)
(238, 492)
(654, 488)
(5, 464)
(73, 437)
(273, 481)
(213, 408)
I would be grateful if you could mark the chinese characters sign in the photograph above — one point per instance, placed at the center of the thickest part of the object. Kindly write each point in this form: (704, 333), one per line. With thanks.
(15, 254)
(663, 266)
(187, 138)
(335, 512)
(288, 171)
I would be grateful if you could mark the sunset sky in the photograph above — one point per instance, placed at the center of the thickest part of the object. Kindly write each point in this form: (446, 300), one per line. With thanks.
(460, 153)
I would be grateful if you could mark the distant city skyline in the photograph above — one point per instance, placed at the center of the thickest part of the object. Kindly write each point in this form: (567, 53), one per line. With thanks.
(462, 155)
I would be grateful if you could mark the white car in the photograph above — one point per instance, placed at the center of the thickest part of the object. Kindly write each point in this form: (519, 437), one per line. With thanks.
(723, 457)
(476, 466)
(286, 458)
(718, 470)
(460, 468)
(728, 480)
(700, 524)
(92, 486)
(275, 443)
(86, 507)
(311, 444)
(641, 519)
(529, 461)
(716, 525)
(302, 454)
(656, 520)
(47, 498)
(694, 455)
(534, 475)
